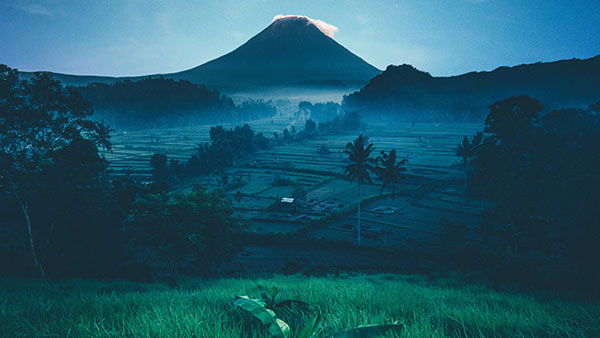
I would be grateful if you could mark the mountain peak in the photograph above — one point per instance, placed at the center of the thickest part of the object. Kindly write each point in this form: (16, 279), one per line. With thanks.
(285, 22)
(294, 50)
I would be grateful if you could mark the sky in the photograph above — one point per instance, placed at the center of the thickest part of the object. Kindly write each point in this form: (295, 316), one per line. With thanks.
(443, 37)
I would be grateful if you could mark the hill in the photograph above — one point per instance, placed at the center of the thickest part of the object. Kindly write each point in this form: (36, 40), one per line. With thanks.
(403, 92)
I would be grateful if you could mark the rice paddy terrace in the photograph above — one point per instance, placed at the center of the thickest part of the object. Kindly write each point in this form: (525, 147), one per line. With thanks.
(429, 211)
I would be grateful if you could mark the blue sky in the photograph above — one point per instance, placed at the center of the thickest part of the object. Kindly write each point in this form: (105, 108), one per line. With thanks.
(449, 37)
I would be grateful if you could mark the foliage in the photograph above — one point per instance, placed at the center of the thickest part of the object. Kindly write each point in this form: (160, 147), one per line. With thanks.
(41, 124)
(361, 164)
(542, 170)
(159, 101)
(319, 111)
(466, 150)
(263, 310)
(405, 93)
(183, 230)
(275, 326)
(390, 173)
(350, 121)
(202, 308)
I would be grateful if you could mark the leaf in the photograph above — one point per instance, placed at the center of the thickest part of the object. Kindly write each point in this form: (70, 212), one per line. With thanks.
(313, 328)
(276, 327)
(268, 295)
(368, 331)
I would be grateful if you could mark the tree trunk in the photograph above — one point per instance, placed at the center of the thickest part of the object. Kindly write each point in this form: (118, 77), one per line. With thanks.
(36, 262)
(466, 174)
(359, 214)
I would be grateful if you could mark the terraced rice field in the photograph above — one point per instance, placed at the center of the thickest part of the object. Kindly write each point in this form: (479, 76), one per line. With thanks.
(424, 223)
(132, 149)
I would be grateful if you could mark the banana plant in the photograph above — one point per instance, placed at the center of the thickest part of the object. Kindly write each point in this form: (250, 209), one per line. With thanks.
(263, 310)
(275, 326)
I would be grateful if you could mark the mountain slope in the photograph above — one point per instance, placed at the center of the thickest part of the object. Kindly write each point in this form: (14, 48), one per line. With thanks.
(291, 51)
(405, 92)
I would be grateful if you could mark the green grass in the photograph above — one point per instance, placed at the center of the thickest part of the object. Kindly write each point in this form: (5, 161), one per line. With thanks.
(199, 308)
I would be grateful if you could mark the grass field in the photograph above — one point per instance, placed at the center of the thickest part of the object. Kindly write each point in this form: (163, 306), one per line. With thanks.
(199, 308)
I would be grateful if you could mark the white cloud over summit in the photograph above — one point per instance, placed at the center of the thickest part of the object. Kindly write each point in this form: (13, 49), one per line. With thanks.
(323, 26)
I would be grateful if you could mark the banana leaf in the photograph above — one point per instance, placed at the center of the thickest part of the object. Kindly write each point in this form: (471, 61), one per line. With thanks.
(276, 327)
(313, 328)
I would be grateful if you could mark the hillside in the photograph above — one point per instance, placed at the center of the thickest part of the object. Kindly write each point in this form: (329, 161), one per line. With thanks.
(202, 308)
(289, 52)
(407, 93)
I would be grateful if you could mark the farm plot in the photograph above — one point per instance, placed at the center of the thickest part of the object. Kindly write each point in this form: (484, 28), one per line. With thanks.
(430, 150)
(132, 149)
(404, 223)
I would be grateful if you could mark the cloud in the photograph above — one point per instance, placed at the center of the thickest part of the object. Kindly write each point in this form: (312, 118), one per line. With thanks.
(323, 26)
(35, 9)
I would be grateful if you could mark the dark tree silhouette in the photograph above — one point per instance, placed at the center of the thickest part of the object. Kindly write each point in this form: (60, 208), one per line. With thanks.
(38, 118)
(359, 153)
(390, 172)
(467, 149)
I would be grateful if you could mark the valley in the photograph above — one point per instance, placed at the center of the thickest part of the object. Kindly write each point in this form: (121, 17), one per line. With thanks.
(429, 211)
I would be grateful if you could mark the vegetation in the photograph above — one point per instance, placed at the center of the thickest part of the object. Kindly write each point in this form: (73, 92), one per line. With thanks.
(390, 172)
(182, 231)
(408, 94)
(158, 101)
(360, 166)
(319, 111)
(47, 143)
(203, 308)
(530, 164)
(466, 150)
(63, 215)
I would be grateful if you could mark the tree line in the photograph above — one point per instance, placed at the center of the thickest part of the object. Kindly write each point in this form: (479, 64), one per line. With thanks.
(227, 146)
(157, 101)
(540, 171)
(63, 215)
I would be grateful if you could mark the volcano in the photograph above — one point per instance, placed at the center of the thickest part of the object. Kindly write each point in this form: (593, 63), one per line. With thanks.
(291, 51)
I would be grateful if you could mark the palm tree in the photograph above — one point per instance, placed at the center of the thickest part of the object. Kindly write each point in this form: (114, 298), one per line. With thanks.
(360, 166)
(391, 171)
(390, 174)
(467, 149)
(102, 136)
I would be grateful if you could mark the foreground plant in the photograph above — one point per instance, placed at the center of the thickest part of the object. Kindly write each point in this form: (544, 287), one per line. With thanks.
(264, 310)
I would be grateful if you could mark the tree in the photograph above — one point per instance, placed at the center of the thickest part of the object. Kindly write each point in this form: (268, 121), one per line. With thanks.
(196, 227)
(310, 128)
(390, 174)
(359, 153)
(158, 162)
(37, 118)
(467, 149)
(511, 122)
(391, 171)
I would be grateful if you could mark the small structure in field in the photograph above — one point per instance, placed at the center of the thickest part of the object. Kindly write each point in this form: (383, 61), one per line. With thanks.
(288, 203)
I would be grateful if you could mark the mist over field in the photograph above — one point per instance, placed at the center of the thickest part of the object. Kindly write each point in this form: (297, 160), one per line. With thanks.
(290, 188)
